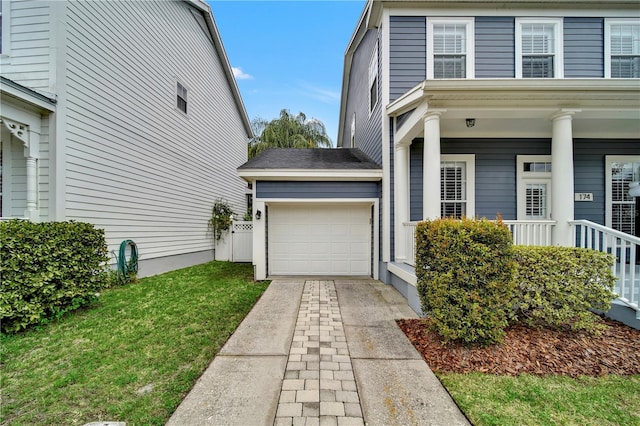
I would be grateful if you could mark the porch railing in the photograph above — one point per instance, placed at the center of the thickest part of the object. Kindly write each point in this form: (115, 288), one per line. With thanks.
(531, 232)
(524, 232)
(410, 242)
(625, 248)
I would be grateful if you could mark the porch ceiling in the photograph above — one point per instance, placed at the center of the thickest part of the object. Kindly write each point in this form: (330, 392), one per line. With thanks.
(522, 108)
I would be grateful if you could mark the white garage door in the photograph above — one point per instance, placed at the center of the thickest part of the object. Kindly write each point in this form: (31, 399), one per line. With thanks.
(319, 239)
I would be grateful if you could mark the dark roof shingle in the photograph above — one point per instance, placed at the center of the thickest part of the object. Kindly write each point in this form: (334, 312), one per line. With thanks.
(311, 158)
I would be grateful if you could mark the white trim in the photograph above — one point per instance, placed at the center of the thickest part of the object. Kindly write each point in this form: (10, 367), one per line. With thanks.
(558, 60)
(609, 160)
(497, 9)
(180, 83)
(608, 22)
(469, 43)
(538, 177)
(386, 140)
(260, 260)
(470, 161)
(405, 276)
(311, 174)
(5, 12)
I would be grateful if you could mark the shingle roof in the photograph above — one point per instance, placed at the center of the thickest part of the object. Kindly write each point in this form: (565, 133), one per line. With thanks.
(311, 158)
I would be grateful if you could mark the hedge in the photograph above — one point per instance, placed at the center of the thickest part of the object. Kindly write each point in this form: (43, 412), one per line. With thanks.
(464, 272)
(557, 286)
(48, 269)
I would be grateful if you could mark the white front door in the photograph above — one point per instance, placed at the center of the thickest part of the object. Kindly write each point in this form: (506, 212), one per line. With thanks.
(319, 239)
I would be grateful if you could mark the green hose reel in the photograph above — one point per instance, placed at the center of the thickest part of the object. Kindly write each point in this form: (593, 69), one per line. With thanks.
(127, 269)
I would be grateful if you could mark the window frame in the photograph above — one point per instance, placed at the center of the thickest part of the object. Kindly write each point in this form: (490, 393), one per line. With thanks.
(469, 24)
(374, 78)
(5, 16)
(523, 178)
(470, 187)
(558, 45)
(608, 23)
(179, 85)
(609, 160)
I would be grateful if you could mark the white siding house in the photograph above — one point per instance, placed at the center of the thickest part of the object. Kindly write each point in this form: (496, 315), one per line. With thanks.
(133, 122)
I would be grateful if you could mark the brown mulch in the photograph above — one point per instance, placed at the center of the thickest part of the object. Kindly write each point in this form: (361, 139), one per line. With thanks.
(533, 351)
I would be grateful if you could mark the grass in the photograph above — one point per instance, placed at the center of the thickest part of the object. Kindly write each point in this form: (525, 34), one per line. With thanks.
(531, 400)
(131, 357)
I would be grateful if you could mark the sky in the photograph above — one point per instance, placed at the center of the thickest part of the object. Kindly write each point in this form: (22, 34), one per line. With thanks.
(288, 54)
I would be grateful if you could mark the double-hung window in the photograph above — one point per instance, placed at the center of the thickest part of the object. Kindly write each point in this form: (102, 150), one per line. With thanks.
(539, 51)
(450, 48)
(622, 48)
(181, 98)
(457, 182)
(373, 79)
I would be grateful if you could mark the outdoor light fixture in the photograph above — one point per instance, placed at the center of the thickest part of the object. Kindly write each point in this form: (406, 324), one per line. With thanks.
(258, 214)
(470, 122)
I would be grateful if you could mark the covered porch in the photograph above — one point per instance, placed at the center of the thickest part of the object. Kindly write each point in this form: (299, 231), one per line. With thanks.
(546, 140)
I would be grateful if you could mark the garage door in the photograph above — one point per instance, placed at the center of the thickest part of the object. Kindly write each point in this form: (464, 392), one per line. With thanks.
(319, 239)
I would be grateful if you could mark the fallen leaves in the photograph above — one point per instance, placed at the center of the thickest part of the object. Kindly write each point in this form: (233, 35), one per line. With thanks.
(533, 351)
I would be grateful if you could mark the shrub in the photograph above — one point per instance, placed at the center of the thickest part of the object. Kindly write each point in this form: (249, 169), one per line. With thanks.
(556, 286)
(48, 269)
(465, 277)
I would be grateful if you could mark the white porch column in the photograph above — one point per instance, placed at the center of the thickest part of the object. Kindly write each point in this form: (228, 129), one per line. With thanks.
(401, 198)
(431, 165)
(31, 212)
(562, 188)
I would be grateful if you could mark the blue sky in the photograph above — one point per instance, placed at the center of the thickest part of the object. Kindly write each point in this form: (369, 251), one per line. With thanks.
(288, 54)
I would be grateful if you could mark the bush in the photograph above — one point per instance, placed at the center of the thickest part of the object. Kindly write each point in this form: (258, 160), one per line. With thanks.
(48, 269)
(465, 277)
(557, 286)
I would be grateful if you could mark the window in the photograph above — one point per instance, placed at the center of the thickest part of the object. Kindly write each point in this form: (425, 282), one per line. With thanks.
(534, 187)
(353, 131)
(622, 208)
(181, 98)
(373, 79)
(450, 48)
(5, 27)
(539, 48)
(457, 175)
(622, 48)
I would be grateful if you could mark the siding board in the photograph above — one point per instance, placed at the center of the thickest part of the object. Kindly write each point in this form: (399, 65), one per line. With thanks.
(408, 44)
(583, 47)
(277, 189)
(495, 47)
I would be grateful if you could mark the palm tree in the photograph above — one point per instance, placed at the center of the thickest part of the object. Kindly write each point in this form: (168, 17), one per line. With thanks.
(288, 131)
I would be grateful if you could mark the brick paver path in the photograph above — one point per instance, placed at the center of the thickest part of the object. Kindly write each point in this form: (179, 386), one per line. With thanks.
(319, 387)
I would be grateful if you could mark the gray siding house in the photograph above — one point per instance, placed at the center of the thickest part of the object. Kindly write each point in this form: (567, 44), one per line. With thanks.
(530, 111)
(122, 114)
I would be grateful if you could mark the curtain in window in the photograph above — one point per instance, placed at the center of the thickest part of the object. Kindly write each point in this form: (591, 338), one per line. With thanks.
(453, 184)
(449, 51)
(625, 51)
(537, 50)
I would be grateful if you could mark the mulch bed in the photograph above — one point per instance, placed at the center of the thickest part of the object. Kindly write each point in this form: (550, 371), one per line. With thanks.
(533, 351)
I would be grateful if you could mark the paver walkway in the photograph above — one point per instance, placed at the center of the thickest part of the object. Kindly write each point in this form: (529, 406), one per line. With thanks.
(319, 387)
(320, 352)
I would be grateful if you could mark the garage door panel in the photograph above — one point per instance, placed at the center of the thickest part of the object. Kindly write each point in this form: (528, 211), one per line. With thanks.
(332, 239)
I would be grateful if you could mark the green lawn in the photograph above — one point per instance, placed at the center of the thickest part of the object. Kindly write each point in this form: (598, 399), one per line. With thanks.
(530, 400)
(132, 356)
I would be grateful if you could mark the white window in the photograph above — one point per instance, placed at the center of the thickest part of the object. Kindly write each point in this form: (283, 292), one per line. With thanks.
(373, 79)
(5, 27)
(181, 98)
(622, 211)
(450, 48)
(457, 183)
(622, 48)
(539, 51)
(534, 187)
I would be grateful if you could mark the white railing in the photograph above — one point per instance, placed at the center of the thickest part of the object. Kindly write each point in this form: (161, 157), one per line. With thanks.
(531, 232)
(7, 219)
(625, 248)
(410, 242)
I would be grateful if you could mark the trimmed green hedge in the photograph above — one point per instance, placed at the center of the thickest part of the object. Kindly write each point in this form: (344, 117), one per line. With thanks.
(557, 286)
(48, 269)
(465, 277)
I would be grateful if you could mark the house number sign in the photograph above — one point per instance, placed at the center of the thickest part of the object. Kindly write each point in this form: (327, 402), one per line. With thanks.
(583, 196)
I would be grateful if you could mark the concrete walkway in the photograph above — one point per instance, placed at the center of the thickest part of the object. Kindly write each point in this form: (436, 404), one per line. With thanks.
(320, 352)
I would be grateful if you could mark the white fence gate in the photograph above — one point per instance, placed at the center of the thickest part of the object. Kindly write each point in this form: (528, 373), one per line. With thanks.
(242, 241)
